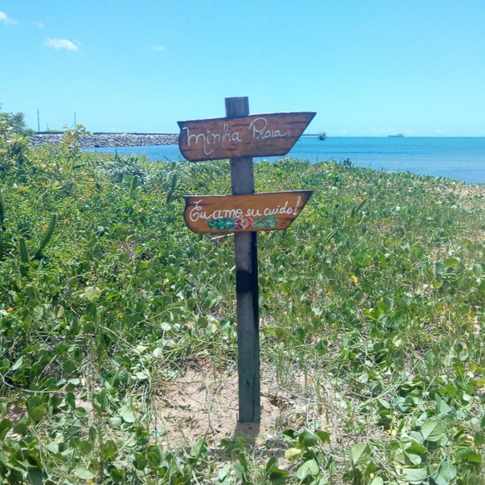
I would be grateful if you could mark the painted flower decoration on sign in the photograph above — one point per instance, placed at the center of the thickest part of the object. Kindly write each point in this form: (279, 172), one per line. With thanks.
(244, 223)
(221, 224)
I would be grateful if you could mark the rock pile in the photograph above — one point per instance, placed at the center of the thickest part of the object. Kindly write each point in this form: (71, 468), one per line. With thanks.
(105, 140)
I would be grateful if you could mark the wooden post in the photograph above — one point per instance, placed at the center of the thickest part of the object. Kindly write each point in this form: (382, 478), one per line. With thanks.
(246, 246)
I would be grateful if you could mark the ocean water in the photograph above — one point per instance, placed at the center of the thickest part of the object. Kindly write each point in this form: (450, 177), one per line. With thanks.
(457, 158)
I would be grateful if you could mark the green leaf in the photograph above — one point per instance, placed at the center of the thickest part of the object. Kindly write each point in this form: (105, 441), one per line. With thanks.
(53, 447)
(35, 475)
(85, 447)
(432, 430)
(400, 459)
(293, 435)
(110, 449)
(18, 363)
(272, 463)
(92, 433)
(275, 475)
(278, 476)
(441, 406)
(82, 473)
(139, 461)
(412, 458)
(309, 468)
(415, 475)
(451, 262)
(473, 457)
(154, 455)
(377, 481)
(37, 413)
(224, 476)
(158, 352)
(68, 366)
(5, 425)
(60, 312)
(360, 454)
(382, 306)
(70, 400)
(240, 472)
(142, 375)
(307, 439)
(446, 473)
(116, 475)
(293, 453)
(199, 448)
(20, 427)
(127, 415)
(324, 436)
(479, 438)
(416, 449)
(81, 412)
(92, 293)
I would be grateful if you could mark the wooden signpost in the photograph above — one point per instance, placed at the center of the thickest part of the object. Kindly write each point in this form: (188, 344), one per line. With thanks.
(240, 137)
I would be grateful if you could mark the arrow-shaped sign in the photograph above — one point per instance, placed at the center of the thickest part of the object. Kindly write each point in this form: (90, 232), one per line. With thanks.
(244, 213)
(251, 136)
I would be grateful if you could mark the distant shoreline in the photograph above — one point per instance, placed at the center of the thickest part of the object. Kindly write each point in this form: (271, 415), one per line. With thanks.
(108, 140)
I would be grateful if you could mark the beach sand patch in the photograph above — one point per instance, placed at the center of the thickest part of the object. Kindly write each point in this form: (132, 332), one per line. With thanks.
(204, 404)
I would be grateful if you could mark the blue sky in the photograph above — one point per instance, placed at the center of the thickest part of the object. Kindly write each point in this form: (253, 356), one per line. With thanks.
(367, 67)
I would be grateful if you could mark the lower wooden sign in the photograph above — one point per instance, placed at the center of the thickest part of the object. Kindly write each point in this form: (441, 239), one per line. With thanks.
(237, 213)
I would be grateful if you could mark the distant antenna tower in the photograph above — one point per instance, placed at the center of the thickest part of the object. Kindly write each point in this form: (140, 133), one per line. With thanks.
(38, 120)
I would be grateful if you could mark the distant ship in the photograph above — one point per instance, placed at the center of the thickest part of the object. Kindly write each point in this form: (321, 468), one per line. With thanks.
(322, 136)
(399, 135)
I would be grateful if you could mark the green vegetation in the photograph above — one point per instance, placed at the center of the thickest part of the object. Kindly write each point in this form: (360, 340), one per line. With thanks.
(371, 321)
(14, 139)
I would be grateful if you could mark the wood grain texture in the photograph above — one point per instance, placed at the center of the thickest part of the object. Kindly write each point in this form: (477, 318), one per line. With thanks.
(252, 136)
(244, 213)
(247, 287)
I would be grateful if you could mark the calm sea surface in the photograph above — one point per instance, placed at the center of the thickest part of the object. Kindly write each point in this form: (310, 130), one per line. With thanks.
(456, 158)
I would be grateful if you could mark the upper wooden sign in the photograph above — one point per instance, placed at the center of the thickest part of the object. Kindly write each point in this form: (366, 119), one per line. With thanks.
(237, 213)
(250, 136)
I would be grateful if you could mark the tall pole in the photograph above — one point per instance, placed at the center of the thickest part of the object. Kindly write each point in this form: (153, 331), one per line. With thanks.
(38, 120)
(246, 247)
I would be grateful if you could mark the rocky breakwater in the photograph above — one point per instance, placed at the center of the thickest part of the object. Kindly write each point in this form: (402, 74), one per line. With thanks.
(107, 140)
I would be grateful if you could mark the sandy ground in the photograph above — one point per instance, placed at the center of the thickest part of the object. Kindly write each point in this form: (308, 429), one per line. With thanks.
(204, 404)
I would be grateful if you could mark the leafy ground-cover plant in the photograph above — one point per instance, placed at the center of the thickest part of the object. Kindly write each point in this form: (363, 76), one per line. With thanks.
(371, 315)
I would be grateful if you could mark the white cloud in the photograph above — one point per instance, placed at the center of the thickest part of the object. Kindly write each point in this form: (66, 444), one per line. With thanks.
(61, 44)
(158, 48)
(39, 24)
(6, 19)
